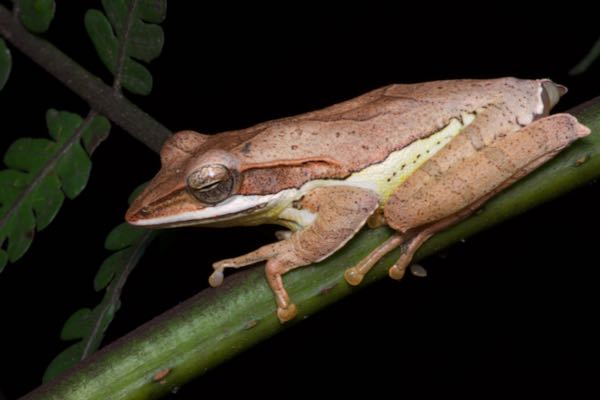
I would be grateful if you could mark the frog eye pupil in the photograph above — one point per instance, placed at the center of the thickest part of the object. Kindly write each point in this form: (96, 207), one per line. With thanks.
(211, 184)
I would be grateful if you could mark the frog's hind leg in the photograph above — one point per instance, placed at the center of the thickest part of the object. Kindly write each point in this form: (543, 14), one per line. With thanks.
(397, 270)
(355, 275)
(433, 205)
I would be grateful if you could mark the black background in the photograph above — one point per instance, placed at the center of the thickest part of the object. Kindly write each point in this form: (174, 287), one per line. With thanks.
(511, 311)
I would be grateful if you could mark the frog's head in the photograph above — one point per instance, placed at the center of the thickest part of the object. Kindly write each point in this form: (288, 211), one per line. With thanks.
(198, 183)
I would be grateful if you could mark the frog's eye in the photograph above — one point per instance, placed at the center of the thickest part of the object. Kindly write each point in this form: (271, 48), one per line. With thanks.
(551, 93)
(211, 184)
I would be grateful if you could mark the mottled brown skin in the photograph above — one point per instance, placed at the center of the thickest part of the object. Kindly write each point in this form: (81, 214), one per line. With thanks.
(335, 141)
(509, 137)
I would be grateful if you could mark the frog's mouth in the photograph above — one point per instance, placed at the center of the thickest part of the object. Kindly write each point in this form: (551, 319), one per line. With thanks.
(230, 210)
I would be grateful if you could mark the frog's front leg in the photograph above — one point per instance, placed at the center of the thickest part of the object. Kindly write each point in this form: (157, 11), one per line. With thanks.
(340, 212)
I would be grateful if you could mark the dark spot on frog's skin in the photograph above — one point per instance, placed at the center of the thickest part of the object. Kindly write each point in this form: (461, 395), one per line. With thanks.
(294, 147)
(246, 148)
(365, 147)
(314, 133)
(418, 156)
(389, 179)
(394, 174)
(438, 142)
(403, 165)
(337, 134)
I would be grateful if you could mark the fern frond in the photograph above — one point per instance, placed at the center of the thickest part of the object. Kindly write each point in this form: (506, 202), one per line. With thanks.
(40, 173)
(121, 36)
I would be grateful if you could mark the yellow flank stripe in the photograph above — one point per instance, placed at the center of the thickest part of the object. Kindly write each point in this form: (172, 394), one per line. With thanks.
(382, 178)
(399, 165)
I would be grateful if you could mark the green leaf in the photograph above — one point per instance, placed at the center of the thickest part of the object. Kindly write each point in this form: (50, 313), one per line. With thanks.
(152, 11)
(136, 78)
(46, 200)
(125, 33)
(74, 170)
(106, 44)
(107, 270)
(122, 236)
(36, 15)
(5, 63)
(65, 360)
(77, 323)
(588, 60)
(88, 326)
(40, 172)
(95, 133)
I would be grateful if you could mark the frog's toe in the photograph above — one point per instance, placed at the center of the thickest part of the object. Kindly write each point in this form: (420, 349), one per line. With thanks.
(396, 272)
(353, 276)
(216, 278)
(287, 313)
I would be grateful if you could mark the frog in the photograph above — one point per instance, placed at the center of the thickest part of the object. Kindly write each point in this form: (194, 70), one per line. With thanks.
(415, 157)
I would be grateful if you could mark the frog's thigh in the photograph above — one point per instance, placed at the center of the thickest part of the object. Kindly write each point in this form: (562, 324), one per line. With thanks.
(478, 175)
(455, 194)
(340, 212)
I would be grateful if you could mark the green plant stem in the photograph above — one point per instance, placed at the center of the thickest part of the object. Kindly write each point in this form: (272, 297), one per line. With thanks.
(101, 97)
(218, 323)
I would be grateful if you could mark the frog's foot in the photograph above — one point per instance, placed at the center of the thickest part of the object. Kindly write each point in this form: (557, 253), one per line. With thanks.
(216, 278)
(398, 270)
(286, 314)
(355, 275)
(261, 254)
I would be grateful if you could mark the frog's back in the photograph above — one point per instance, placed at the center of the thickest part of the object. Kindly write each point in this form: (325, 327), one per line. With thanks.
(365, 130)
(337, 141)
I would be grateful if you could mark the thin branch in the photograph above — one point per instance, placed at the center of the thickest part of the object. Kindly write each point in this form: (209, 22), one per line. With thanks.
(218, 323)
(96, 93)
(48, 167)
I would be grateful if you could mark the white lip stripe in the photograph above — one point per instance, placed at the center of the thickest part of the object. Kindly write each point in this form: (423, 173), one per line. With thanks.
(232, 205)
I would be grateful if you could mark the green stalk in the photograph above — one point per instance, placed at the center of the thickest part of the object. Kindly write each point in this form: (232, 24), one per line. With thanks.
(218, 323)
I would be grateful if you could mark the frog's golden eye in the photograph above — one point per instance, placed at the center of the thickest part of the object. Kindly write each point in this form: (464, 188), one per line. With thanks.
(211, 184)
